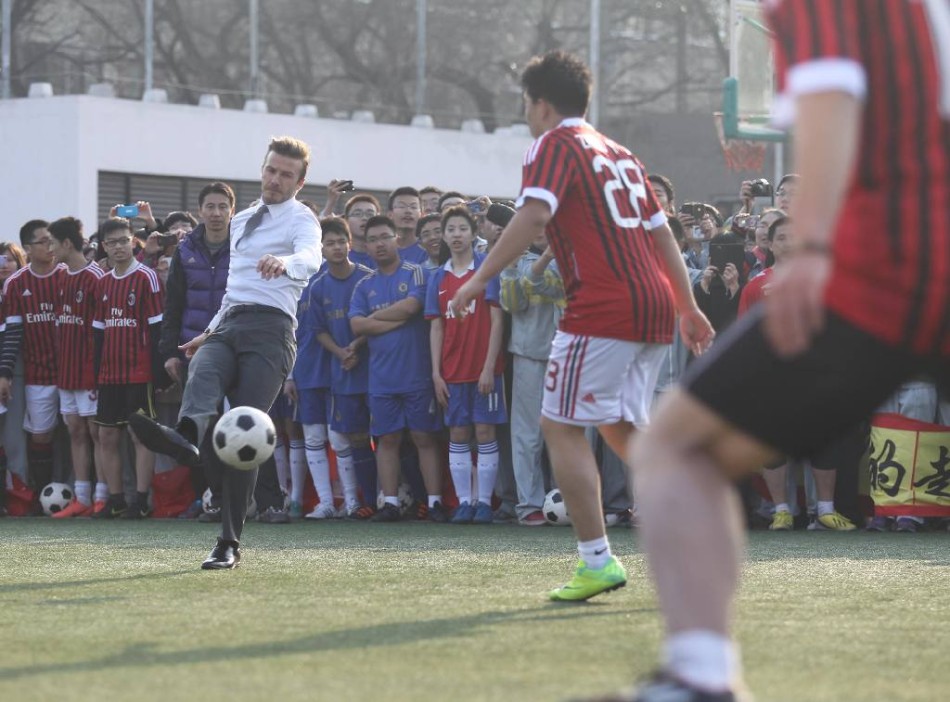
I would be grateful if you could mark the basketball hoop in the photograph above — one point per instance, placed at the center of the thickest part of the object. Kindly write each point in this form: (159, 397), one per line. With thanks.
(740, 154)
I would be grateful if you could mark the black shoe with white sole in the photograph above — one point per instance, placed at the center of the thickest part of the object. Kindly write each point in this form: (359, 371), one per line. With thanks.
(224, 555)
(164, 440)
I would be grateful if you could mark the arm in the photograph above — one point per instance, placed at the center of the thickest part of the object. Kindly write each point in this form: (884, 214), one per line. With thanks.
(486, 383)
(365, 326)
(513, 297)
(826, 145)
(401, 311)
(545, 281)
(12, 341)
(306, 258)
(436, 337)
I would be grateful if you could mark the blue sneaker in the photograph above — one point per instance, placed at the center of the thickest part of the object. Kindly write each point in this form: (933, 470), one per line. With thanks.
(463, 514)
(483, 514)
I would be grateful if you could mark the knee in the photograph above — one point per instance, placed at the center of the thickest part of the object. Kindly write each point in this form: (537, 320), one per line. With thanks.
(484, 433)
(315, 435)
(423, 440)
(390, 442)
(338, 442)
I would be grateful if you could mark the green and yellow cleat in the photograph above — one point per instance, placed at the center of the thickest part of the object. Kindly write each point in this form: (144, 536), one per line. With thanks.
(588, 582)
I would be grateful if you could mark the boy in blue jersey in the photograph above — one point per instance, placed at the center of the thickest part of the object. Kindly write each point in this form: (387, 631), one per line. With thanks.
(357, 212)
(308, 389)
(387, 309)
(348, 411)
(405, 208)
(467, 366)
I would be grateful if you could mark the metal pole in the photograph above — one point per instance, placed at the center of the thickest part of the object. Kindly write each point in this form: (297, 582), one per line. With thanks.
(149, 43)
(594, 111)
(5, 41)
(255, 57)
(421, 10)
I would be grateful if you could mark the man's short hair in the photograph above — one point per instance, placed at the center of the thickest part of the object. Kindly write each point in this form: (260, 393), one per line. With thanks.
(334, 225)
(361, 197)
(427, 219)
(291, 148)
(312, 206)
(113, 224)
(677, 228)
(404, 190)
(773, 227)
(68, 229)
(449, 195)
(561, 79)
(665, 183)
(219, 188)
(788, 178)
(28, 230)
(381, 221)
(430, 189)
(714, 213)
(174, 218)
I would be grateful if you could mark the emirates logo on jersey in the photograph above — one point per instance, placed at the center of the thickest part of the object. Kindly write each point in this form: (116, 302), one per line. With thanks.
(131, 299)
(79, 296)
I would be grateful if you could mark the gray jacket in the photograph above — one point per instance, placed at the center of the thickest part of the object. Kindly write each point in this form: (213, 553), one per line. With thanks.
(535, 304)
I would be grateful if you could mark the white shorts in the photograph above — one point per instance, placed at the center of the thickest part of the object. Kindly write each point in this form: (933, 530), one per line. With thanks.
(42, 408)
(592, 381)
(81, 402)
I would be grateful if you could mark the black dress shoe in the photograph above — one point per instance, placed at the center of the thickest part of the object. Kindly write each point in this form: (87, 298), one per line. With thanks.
(225, 554)
(164, 440)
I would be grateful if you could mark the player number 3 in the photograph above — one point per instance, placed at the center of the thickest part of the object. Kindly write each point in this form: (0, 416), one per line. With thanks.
(626, 176)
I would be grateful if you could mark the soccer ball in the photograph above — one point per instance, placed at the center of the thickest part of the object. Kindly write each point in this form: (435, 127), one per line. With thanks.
(244, 438)
(55, 497)
(555, 511)
(405, 498)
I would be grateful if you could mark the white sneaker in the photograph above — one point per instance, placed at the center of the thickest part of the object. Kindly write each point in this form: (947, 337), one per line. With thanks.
(323, 511)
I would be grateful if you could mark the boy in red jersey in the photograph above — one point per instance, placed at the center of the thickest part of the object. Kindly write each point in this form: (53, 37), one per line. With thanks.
(29, 298)
(618, 259)
(75, 349)
(467, 367)
(862, 305)
(128, 324)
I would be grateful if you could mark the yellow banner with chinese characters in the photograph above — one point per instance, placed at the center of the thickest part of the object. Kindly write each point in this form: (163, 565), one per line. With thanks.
(909, 467)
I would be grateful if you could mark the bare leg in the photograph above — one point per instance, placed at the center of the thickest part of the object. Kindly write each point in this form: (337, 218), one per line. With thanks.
(387, 463)
(430, 460)
(109, 459)
(825, 483)
(144, 465)
(575, 472)
(79, 439)
(776, 480)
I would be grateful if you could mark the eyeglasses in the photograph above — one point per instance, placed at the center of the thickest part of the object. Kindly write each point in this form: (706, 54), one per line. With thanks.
(362, 213)
(376, 239)
(112, 243)
(403, 206)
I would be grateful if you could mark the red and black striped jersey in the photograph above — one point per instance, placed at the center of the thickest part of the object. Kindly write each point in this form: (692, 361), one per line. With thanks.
(125, 307)
(892, 239)
(603, 212)
(75, 341)
(30, 299)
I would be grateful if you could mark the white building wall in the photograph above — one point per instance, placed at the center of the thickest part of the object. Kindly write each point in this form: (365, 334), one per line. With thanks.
(51, 150)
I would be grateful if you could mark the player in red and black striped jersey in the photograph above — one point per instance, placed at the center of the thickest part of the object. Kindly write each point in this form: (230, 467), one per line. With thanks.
(127, 320)
(75, 349)
(29, 301)
(624, 279)
(863, 304)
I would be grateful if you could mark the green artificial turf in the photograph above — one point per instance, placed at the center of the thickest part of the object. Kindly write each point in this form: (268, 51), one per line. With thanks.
(347, 611)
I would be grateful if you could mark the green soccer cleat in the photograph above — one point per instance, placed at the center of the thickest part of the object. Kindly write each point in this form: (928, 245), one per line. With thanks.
(588, 582)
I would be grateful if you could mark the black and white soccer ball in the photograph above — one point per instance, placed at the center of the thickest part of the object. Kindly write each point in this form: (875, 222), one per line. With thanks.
(555, 511)
(244, 438)
(55, 497)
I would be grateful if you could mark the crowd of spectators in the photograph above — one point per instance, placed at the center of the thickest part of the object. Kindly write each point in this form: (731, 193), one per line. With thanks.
(89, 321)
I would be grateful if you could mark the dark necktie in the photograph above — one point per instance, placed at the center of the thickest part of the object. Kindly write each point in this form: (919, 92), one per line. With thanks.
(254, 222)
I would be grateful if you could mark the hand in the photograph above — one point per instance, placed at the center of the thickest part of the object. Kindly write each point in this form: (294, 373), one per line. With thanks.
(708, 275)
(465, 295)
(730, 276)
(192, 346)
(270, 267)
(173, 368)
(152, 245)
(745, 195)
(688, 222)
(696, 331)
(290, 391)
(145, 213)
(441, 391)
(5, 391)
(486, 382)
(548, 255)
(334, 191)
(794, 309)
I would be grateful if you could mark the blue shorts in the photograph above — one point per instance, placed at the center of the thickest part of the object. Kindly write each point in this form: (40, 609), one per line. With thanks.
(467, 406)
(282, 408)
(313, 405)
(416, 411)
(349, 414)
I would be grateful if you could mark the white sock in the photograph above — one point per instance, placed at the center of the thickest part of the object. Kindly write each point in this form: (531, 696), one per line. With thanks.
(433, 499)
(782, 507)
(704, 659)
(283, 465)
(298, 470)
(344, 467)
(102, 492)
(487, 470)
(83, 490)
(595, 553)
(315, 436)
(460, 466)
(825, 507)
(394, 501)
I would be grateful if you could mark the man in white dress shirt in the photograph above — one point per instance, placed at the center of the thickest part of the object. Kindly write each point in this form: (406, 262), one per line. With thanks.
(248, 348)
